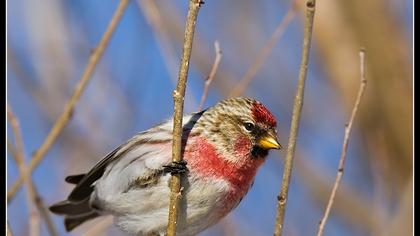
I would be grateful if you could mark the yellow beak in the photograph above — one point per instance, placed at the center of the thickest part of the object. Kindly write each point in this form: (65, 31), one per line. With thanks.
(268, 142)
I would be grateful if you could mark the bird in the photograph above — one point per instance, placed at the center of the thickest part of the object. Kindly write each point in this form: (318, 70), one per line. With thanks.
(222, 148)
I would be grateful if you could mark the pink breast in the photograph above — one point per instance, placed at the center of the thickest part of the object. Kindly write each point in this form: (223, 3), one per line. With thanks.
(205, 161)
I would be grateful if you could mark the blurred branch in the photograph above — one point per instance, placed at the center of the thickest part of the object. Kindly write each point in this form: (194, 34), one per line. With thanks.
(211, 75)
(9, 229)
(229, 226)
(347, 131)
(42, 209)
(294, 127)
(350, 204)
(14, 123)
(263, 54)
(34, 222)
(17, 154)
(49, 59)
(154, 17)
(178, 95)
(88, 110)
(380, 197)
(166, 21)
(32, 194)
(33, 215)
(100, 227)
(375, 25)
(402, 222)
(69, 107)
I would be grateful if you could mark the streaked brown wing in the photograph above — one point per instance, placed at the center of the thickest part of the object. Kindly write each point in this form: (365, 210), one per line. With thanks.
(84, 187)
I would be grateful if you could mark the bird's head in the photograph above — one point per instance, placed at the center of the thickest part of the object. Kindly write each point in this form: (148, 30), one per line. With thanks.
(240, 128)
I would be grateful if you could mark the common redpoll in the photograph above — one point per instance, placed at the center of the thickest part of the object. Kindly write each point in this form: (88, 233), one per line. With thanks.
(223, 147)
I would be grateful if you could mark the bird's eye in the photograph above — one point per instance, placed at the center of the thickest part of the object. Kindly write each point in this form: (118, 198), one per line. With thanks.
(249, 126)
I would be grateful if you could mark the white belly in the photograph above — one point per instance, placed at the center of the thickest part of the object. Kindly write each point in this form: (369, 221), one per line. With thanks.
(145, 210)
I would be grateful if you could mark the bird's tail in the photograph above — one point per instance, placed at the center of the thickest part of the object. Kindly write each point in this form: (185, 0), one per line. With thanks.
(75, 213)
(71, 222)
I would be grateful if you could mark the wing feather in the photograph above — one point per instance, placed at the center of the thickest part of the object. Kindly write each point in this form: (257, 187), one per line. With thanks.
(84, 187)
(157, 135)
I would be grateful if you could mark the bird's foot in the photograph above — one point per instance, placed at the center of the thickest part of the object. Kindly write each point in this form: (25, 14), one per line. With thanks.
(176, 167)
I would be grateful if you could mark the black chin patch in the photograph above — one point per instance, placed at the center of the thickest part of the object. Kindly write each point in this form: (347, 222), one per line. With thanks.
(258, 152)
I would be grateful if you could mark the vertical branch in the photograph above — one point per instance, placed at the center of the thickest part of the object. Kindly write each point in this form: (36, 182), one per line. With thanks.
(32, 194)
(33, 218)
(17, 154)
(34, 225)
(211, 75)
(178, 96)
(69, 107)
(347, 131)
(43, 212)
(294, 127)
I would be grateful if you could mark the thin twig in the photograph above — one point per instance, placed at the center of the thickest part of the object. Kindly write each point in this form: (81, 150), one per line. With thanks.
(347, 131)
(17, 154)
(43, 211)
(212, 74)
(264, 52)
(178, 96)
(294, 127)
(69, 107)
(362, 214)
(32, 194)
(33, 218)
(34, 225)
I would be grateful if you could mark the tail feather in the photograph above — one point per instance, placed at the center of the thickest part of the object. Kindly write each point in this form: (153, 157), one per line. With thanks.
(71, 222)
(70, 208)
(74, 179)
(75, 212)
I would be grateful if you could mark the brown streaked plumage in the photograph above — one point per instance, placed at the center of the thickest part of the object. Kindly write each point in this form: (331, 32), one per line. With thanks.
(223, 145)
